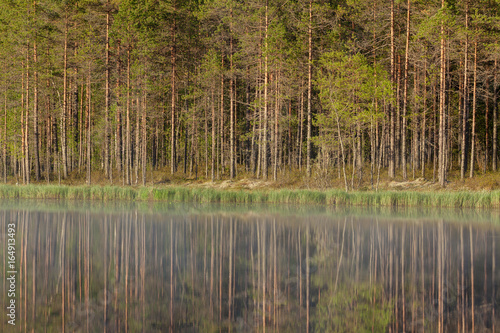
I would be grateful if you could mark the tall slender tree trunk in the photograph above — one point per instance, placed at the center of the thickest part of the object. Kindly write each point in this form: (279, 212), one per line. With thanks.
(214, 140)
(392, 149)
(4, 148)
(442, 111)
(35, 111)
(119, 126)
(88, 128)
(144, 136)
(300, 136)
(405, 92)
(128, 150)
(474, 105)
(487, 125)
(424, 120)
(221, 118)
(173, 56)
(107, 167)
(26, 158)
(275, 131)
(465, 114)
(266, 102)
(137, 145)
(231, 104)
(309, 91)
(494, 157)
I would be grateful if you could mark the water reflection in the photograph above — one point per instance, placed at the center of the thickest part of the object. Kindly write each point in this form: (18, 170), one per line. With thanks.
(129, 271)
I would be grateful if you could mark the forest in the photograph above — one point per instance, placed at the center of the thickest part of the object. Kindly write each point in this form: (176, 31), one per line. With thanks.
(217, 88)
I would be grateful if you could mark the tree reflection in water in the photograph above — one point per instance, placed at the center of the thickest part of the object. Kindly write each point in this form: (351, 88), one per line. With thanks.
(247, 271)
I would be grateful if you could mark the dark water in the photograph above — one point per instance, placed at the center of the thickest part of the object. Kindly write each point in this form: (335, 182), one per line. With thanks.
(131, 268)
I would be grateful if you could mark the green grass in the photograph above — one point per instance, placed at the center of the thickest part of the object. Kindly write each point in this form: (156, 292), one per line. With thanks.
(442, 199)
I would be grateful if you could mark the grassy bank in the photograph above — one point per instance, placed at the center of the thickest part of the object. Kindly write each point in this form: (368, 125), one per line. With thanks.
(442, 199)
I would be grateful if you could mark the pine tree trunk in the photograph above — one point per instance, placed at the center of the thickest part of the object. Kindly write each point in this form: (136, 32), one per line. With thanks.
(275, 132)
(300, 137)
(424, 120)
(118, 134)
(4, 148)
(137, 146)
(144, 137)
(48, 132)
(254, 126)
(214, 140)
(486, 125)
(474, 104)
(173, 158)
(465, 114)
(35, 114)
(88, 129)
(309, 91)
(266, 102)
(107, 168)
(392, 149)
(405, 93)
(221, 118)
(26, 122)
(442, 111)
(494, 157)
(128, 150)
(231, 105)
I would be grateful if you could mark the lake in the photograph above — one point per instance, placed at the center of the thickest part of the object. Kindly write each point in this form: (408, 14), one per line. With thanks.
(119, 267)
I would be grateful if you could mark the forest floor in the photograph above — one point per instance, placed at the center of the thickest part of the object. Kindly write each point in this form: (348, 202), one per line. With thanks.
(296, 180)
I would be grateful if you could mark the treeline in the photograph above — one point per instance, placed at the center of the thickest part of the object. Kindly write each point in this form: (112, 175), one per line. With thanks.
(214, 88)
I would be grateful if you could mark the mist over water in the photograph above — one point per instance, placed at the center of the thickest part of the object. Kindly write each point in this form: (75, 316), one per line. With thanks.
(184, 268)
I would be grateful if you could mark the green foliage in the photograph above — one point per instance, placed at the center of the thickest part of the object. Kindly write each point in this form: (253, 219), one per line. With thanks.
(350, 90)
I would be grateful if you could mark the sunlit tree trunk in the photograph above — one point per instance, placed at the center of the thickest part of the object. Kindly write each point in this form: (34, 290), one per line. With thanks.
(88, 128)
(309, 91)
(107, 164)
(26, 159)
(392, 149)
(119, 125)
(128, 150)
(465, 114)
(4, 144)
(214, 140)
(173, 56)
(35, 111)
(442, 111)
(231, 105)
(266, 102)
(405, 92)
(495, 119)
(474, 106)
(144, 137)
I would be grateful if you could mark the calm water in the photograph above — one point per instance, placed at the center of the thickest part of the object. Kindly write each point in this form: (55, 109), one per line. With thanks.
(130, 268)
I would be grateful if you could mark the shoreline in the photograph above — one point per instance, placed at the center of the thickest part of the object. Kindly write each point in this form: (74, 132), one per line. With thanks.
(187, 194)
